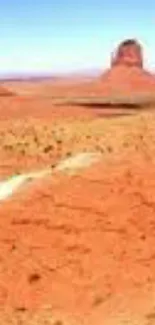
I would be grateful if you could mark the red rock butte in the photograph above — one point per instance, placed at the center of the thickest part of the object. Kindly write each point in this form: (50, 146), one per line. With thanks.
(125, 78)
(129, 53)
(126, 74)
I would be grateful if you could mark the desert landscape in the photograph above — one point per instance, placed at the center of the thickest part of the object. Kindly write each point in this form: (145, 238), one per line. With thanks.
(77, 204)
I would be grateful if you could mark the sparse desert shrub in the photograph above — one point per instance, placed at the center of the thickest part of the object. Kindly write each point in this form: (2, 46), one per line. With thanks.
(88, 136)
(58, 322)
(59, 141)
(48, 148)
(8, 147)
(23, 151)
(36, 140)
(109, 148)
(68, 154)
(125, 144)
(98, 300)
(35, 277)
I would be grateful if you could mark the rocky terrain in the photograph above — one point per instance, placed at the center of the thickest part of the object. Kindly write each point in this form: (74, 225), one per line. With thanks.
(77, 245)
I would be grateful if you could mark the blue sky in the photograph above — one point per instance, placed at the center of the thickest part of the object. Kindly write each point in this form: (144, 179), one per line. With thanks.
(64, 35)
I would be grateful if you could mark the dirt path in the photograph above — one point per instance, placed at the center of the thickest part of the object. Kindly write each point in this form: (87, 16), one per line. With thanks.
(81, 160)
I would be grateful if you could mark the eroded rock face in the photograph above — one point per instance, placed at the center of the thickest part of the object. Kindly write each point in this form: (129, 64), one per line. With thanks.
(129, 53)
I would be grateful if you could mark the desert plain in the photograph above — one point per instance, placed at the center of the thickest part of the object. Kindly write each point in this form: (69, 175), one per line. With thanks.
(77, 245)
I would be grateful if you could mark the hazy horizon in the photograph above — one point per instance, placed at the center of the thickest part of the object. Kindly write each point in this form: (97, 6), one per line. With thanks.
(62, 37)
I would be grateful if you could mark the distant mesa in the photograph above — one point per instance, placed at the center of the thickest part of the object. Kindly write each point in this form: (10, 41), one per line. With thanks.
(127, 75)
(126, 81)
(126, 78)
(129, 53)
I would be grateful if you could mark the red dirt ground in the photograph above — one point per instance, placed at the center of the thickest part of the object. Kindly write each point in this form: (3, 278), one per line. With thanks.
(82, 245)
(79, 249)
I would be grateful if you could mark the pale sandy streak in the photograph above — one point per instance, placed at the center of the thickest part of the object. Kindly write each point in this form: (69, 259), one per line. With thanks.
(71, 164)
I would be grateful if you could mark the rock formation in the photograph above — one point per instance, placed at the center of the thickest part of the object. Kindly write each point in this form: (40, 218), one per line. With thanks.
(129, 53)
(127, 76)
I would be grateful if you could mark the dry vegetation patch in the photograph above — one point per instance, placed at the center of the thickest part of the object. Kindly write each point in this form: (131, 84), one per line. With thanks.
(28, 144)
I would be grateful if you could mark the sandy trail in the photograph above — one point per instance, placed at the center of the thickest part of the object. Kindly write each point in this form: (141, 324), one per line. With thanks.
(8, 187)
(71, 164)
